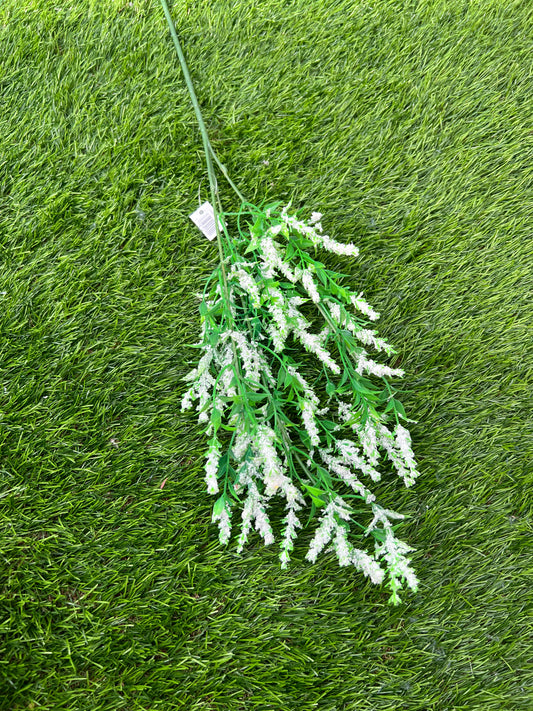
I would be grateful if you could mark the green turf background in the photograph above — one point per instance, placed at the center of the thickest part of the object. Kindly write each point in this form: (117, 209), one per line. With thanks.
(408, 124)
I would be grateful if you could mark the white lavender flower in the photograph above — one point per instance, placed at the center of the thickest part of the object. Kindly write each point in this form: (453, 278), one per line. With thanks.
(336, 466)
(343, 548)
(348, 250)
(311, 342)
(328, 525)
(224, 523)
(368, 566)
(335, 311)
(370, 338)
(291, 524)
(247, 284)
(270, 255)
(310, 286)
(382, 516)
(322, 534)
(369, 441)
(279, 329)
(262, 522)
(367, 365)
(313, 233)
(393, 551)
(287, 272)
(186, 402)
(201, 387)
(268, 459)
(351, 455)
(403, 443)
(241, 444)
(389, 443)
(344, 411)
(365, 308)
(308, 418)
(253, 362)
(211, 466)
(254, 514)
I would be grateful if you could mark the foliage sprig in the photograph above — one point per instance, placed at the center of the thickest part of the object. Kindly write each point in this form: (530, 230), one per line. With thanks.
(273, 316)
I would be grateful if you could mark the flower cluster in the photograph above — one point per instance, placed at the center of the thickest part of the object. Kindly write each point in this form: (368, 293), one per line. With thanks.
(275, 322)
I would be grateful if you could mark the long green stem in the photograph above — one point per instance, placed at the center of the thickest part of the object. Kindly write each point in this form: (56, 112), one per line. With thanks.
(209, 155)
(208, 148)
(205, 138)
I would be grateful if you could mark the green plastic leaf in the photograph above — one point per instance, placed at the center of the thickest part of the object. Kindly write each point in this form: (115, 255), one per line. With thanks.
(219, 506)
(291, 249)
(213, 337)
(344, 378)
(216, 418)
(400, 409)
(252, 245)
(397, 407)
(322, 276)
(328, 424)
(255, 397)
(325, 476)
(383, 396)
(315, 495)
(223, 465)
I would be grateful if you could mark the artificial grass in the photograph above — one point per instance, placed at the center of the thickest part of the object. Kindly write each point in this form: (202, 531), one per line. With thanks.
(408, 126)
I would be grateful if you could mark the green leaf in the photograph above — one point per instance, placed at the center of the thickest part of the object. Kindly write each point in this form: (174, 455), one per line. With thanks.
(400, 409)
(256, 325)
(360, 388)
(304, 243)
(219, 506)
(252, 245)
(255, 397)
(203, 308)
(344, 294)
(234, 494)
(325, 476)
(257, 227)
(328, 424)
(322, 276)
(344, 378)
(315, 495)
(383, 396)
(223, 465)
(216, 418)
(289, 252)
(272, 206)
(306, 440)
(311, 513)
(397, 407)
(330, 388)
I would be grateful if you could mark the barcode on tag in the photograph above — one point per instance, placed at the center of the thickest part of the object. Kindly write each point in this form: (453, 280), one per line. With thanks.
(204, 219)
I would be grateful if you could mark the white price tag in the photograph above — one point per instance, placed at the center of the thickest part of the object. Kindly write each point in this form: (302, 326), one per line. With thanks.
(204, 219)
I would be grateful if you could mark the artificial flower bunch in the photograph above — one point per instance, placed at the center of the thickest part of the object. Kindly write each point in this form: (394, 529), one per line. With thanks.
(294, 405)
(293, 402)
